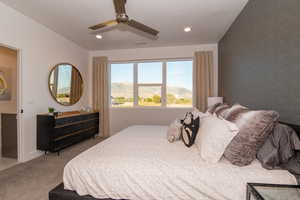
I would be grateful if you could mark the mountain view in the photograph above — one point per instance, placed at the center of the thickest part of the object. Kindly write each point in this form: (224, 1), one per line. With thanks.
(122, 95)
(126, 90)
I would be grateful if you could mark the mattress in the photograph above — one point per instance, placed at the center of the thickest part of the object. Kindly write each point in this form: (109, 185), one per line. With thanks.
(139, 163)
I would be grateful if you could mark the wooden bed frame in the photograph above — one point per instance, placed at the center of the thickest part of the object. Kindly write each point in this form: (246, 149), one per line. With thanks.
(59, 193)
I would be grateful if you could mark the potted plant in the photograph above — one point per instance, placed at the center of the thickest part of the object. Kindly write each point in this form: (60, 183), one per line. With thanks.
(51, 110)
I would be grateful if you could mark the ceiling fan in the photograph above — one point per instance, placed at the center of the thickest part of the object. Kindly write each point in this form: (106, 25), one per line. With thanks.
(123, 18)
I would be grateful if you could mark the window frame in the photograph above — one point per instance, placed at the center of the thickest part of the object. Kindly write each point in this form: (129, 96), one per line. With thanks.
(163, 85)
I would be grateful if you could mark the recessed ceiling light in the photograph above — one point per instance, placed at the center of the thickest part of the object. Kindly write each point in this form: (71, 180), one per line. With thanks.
(98, 36)
(187, 29)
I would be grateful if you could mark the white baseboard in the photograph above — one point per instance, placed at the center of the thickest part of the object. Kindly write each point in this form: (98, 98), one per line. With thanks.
(32, 155)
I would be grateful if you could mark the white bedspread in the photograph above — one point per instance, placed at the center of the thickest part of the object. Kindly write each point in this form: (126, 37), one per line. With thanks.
(140, 164)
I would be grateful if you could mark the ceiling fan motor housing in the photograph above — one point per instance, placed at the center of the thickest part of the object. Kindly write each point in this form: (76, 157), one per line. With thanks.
(121, 18)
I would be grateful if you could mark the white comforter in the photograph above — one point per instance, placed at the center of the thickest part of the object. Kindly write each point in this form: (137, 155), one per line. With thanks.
(140, 164)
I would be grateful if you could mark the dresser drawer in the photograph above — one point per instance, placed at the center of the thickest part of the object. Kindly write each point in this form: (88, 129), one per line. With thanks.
(68, 129)
(62, 142)
(67, 120)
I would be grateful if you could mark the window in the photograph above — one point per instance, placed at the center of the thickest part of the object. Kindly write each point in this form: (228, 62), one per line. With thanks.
(145, 70)
(180, 84)
(152, 84)
(122, 85)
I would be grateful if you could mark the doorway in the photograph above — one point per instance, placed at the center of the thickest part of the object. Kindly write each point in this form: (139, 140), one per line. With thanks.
(8, 107)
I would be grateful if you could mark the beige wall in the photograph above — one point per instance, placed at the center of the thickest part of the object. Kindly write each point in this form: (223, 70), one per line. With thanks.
(121, 118)
(8, 59)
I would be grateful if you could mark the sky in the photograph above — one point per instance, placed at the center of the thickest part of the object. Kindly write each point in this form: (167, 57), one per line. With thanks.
(64, 76)
(179, 73)
(121, 73)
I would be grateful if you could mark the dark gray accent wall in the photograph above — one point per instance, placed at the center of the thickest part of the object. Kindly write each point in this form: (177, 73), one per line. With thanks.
(259, 62)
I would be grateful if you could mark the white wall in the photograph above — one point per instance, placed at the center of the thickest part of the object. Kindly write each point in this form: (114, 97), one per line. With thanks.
(122, 118)
(40, 49)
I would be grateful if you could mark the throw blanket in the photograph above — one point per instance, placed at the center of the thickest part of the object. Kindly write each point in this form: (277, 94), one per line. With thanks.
(281, 150)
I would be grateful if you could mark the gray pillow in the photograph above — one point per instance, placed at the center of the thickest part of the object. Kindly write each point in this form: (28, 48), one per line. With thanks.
(255, 127)
(279, 148)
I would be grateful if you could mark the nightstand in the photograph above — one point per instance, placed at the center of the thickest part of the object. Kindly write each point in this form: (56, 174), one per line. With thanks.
(262, 191)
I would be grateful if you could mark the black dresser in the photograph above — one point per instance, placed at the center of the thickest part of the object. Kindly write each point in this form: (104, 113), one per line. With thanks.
(57, 133)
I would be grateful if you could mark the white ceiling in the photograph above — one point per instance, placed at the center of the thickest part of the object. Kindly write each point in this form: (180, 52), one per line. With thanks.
(209, 20)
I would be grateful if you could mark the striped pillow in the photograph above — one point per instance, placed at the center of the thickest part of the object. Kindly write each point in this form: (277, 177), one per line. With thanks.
(222, 110)
(219, 109)
(212, 109)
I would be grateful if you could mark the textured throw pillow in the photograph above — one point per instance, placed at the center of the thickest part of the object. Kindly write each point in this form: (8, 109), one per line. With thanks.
(222, 110)
(232, 109)
(255, 127)
(213, 137)
(174, 131)
(212, 108)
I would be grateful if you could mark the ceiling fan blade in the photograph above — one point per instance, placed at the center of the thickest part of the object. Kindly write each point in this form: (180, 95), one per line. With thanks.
(120, 6)
(142, 27)
(102, 25)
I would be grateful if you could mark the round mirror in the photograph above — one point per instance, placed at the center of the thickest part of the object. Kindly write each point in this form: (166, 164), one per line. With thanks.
(65, 84)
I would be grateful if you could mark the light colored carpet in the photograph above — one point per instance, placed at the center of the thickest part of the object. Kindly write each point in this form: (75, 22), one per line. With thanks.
(7, 163)
(34, 179)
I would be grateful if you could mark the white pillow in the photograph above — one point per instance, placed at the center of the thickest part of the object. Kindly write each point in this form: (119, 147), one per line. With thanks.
(199, 114)
(174, 131)
(213, 137)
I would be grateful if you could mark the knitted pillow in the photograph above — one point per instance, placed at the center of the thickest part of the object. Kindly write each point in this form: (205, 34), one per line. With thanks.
(254, 128)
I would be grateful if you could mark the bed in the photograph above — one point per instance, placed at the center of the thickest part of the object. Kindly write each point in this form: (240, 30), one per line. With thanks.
(139, 163)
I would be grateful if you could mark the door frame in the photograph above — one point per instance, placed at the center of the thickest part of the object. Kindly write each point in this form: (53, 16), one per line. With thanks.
(20, 140)
(21, 156)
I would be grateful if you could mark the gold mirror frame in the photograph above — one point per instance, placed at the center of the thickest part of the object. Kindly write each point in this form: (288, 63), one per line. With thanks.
(49, 84)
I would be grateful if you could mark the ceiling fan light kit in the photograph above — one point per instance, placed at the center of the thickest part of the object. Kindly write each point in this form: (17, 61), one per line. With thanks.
(122, 17)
